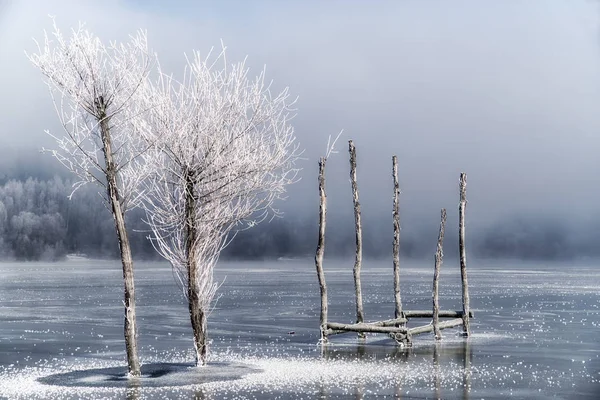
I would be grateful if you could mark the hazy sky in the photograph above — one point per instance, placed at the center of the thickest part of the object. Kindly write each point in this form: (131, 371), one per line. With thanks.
(508, 91)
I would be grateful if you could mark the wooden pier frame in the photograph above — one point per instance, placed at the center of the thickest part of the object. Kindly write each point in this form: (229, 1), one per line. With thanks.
(396, 328)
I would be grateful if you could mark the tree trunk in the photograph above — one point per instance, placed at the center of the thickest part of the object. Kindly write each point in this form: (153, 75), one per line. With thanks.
(396, 245)
(130, 328)
(321, 248)
(199, 325)
(439, 255)
(195, 305)
(463, 255)
(360, 317)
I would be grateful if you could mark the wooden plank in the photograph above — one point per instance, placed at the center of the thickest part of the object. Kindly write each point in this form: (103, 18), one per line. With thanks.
(387, 323)
(429, 314)
(390, 322)
(429, 328)
(365, 327)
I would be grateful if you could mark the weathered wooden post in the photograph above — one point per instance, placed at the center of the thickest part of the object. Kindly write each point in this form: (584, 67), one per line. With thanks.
(439, 255)
(358, 258)
(396, 245)
(321, 248)
(463, 255)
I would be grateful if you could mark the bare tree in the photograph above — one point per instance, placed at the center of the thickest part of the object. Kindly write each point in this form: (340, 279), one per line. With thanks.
(226, 152)
(94, 89)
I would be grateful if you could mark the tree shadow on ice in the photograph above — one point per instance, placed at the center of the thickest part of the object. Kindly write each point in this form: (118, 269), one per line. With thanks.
(153, 375)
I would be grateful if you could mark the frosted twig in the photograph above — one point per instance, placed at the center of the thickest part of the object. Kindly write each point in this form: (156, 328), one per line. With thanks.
(330, 146)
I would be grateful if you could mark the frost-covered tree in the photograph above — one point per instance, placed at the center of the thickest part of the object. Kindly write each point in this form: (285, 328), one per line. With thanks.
(35, 237)
(95, 88)
(226, 152)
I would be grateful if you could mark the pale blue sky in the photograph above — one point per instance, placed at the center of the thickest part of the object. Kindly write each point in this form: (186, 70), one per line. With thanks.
(508, 91)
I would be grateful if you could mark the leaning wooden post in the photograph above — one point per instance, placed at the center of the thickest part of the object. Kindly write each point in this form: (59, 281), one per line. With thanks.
(439, 255)
(321, 248)
(396, 245)
(463, 256)
(358, 259)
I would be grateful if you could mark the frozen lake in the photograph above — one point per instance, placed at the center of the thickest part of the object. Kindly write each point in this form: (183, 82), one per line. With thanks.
(536, 333)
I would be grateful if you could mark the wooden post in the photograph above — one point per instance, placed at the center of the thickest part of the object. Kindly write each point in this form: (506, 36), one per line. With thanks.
(463, 255)
(321, 248)
(358, 259)
(439, 255)
(396, 245)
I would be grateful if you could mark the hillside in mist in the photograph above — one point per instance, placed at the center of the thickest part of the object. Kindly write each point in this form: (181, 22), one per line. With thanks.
(39, 222)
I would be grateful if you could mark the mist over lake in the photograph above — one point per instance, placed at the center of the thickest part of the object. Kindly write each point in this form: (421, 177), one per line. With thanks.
(506, 92)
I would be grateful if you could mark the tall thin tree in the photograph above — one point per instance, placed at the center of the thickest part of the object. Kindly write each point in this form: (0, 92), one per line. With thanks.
(226, 152)
(95, 90)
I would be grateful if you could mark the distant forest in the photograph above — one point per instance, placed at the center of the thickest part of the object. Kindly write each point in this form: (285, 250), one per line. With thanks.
(39, 222)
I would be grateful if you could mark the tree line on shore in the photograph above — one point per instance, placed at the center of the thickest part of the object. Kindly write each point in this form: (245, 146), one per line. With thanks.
(38, 221)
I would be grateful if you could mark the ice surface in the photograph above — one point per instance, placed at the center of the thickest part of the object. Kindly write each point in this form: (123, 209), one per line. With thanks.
(534, 335)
